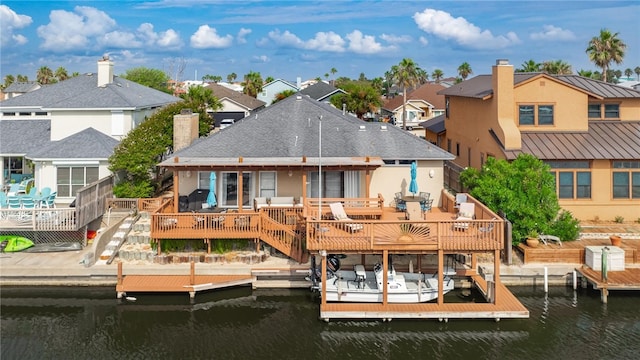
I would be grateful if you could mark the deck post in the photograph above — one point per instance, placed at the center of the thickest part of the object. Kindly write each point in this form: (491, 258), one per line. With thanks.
(323, 265)
(385, 276)
(192, 273)
(496, 273)
(239, 190)
(119, 272)
(419, 262)
(440, 276)
(575, 280)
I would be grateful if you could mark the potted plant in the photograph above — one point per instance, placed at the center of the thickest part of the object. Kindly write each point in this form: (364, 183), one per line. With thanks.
(532, 238)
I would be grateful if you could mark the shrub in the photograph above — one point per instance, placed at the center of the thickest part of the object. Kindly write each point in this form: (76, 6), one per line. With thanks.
(619, 219)
(565, 226)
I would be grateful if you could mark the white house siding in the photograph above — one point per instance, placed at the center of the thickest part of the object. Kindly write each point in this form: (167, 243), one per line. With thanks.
(46, 174)
(230, 106)
(65, 123)
(269, 92)
(390, 179)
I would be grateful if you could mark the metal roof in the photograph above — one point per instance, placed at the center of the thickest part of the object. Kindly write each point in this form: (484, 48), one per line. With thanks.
(605, 140)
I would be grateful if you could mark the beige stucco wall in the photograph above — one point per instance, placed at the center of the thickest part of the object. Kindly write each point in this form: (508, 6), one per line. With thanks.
(66, 123)
(389, 179)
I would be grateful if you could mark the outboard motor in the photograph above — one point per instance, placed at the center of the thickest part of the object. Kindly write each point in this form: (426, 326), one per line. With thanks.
(3, 245)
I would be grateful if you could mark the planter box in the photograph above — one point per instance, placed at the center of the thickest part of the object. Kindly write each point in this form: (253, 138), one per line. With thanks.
(615, 258)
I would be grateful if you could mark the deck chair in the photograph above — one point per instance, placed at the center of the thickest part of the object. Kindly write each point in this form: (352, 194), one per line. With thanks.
(414, 211)
(41, 199)
(467, 213)
(425, 204)
(460, 198)
(337, 210)
(401, 205)
(546, 238)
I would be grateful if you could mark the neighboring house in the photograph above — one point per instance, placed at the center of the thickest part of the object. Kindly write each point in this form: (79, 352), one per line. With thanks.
(356, 158)
(235, 105)
(434, 130)
(321, 91)
(270, 90)
(106, 103)
(587, 130)
(19, 88)
(422, 104)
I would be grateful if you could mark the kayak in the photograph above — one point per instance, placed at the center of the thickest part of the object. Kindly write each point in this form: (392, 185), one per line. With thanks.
(14, 243)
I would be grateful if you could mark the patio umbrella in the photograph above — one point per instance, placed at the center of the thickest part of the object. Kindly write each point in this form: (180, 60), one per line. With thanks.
(211, 198)
(413, 186)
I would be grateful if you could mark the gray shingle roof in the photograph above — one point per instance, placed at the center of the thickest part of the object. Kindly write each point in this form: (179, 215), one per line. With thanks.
(435, 124)
(481, 86)
(82, 92)
(289, 129)
(14, 132)
(320, 90)
(21, 87)
(615, 140)
(86, 144)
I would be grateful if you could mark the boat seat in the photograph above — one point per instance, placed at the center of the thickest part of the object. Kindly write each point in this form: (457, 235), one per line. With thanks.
(361, 275)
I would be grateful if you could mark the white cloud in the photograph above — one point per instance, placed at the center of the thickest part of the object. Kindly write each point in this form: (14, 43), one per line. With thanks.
(9, 22)
(285, 39)
(326, 41)
(423, 40)
(551, 32)
(119, 39)
(443, 25)
(72, 30)
(169, 39)
(207, 38)
(365, 44)
(260, 58)
(145, 36)
(394, 39)
(242, 34)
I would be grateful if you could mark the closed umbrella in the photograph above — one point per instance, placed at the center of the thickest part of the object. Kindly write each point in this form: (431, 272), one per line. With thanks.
(211, 198)
(413, 186)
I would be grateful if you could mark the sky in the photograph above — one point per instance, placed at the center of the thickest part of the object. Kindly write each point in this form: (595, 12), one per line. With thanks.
(306, 39)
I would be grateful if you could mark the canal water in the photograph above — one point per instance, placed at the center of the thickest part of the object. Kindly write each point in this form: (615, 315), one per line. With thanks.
(89, 323)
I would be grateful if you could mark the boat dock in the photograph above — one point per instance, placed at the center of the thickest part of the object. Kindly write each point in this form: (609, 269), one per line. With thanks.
(190, 284)
(628, 279)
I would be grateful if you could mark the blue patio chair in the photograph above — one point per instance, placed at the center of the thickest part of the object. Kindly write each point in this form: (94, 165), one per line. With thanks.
(41, 199)
(3, 200)
(425, 204)
(13, 189)
(425, 195)
(401, 205)
(51, 200)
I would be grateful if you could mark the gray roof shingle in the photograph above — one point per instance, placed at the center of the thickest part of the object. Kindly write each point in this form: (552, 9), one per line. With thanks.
(247, 101)
(82, 92)
(289, 129)
(320, 90)
(14, 132)
(86, 144)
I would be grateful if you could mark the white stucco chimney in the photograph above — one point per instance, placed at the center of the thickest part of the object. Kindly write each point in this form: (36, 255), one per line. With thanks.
(105, 71)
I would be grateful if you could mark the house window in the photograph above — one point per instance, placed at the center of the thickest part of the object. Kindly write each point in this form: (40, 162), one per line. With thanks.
(545, 114)
(70, 179)
(229, 189)
(611, 111)
(481, 159)
(594, 111)
(526, 115)
(572, 181)
(626, 180)
(457, 149)
(449, 145)
(267, 183)
(332, 184)
(469, 157)
(446, 109)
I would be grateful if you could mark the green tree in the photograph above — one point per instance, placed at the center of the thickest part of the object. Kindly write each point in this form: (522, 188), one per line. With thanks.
(628, 72)
(524, 190)
(605, 49)
(407, 74)
(529, 66)
(8, 80)
(586, 73)
(136, 156)
(61, 74)
(333, 71)
(252, 84)
(44, 75)
(231, 77)
(464, 70)
(153, 78)
(269, 79)
(437, 75)
(377, 83)
(359, 99)
(283, 95)
(556, 67)
(637, 71)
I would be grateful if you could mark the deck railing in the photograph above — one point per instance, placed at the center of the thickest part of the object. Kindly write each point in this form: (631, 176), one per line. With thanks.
(39, 219)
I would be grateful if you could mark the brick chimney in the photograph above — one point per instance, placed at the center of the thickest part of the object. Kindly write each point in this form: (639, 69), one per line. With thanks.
(105, 71)
(504, 104)
(185, 129)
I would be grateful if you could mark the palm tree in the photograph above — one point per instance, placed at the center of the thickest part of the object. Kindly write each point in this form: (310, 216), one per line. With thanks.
(268, 79)
(377, 83)
(464, 70)
(22, 78)
(407, 74)
(231, 77)
(359, 99)
(61, 74)
(252, 84)
(333, 71)
(586, 73)
(44, 75)
(628, 72)
(637, 71)
(283, 95)
(556, 67)
(605, 49)
(8, 80)
(529, 66)
(437, 75)
(326, 76)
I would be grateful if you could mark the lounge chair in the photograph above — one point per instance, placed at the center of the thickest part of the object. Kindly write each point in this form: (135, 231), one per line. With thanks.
(337, 210)
(460, 198)
(414, 211)
(467, 213)
(545, 238)
(259, 202)
(281, 201)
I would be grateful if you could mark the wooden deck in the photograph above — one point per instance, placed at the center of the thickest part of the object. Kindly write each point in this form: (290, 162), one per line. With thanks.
(190, 284)
(628, 279)
(506, 306)
(573, 252)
